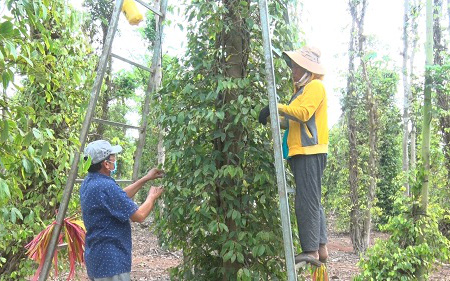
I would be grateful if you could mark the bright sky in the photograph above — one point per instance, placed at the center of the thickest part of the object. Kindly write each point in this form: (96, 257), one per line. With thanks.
(328, 27)
(326, 24)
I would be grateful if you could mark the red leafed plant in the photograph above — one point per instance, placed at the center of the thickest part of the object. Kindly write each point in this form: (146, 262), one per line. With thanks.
(74, 235)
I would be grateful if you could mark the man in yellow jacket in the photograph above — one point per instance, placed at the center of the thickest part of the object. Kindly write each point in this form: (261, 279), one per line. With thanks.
(306, 145)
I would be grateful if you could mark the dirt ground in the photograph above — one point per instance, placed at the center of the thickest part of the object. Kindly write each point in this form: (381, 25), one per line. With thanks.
(151, 263)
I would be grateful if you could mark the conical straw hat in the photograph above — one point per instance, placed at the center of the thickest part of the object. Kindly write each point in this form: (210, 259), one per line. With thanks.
(306, 57)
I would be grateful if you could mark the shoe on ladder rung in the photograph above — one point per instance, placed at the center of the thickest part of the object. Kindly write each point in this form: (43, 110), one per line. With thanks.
(307, 259)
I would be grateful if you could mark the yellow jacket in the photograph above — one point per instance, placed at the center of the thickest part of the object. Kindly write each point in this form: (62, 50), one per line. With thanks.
(308, 120)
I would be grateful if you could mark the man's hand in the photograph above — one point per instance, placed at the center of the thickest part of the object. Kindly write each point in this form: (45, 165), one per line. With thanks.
(263, 114)
(145, 209)
(154, 174)
(155, 192)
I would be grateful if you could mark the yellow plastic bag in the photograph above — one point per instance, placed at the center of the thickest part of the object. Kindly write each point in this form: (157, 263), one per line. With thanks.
(131, 11)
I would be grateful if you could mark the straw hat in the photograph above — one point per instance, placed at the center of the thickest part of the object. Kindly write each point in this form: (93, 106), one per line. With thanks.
(306, 57)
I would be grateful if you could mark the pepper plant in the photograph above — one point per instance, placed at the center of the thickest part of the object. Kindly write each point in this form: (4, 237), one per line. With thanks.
(221, 204)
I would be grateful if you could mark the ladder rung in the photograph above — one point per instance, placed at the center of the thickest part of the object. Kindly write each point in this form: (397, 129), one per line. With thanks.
(124, 181)
(149, 7)
(115, 123)
(277, 52)
(118, 181)
(290, 191)
(131, 62)
(300, 265)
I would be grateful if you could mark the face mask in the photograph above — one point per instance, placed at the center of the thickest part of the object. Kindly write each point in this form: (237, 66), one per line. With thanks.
(114, 171)
(302, 81)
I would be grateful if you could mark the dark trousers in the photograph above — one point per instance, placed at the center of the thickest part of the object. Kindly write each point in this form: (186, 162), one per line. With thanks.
(308, 171)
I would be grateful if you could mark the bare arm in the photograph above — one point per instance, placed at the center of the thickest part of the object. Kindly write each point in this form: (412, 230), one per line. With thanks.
(133, 188)
(145, 209)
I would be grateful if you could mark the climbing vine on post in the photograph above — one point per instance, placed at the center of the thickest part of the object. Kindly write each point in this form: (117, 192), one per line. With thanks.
(221, 206)
(46, 54)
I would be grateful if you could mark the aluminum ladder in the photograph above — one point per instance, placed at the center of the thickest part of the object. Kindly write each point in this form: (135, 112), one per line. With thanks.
(278, 152)
(152, 86)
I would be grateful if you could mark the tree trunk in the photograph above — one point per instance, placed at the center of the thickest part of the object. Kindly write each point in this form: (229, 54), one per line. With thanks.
(296, 12)
(371, 108)
(406, 98)
(355, 212)
(360, 221)
(153, 85)
(105, 98)
(14, 260)
(448, 15)
(234, 41)
(160, 148)
(442, 96)
(287, 18)
(426, 129)
(427, 106)
(413, 137)
(413, 156)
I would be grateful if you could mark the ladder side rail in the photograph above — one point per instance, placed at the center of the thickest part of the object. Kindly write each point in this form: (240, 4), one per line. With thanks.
(117, 181)
(152, 86)
(113, 123)
(84, 131)
(275, 126)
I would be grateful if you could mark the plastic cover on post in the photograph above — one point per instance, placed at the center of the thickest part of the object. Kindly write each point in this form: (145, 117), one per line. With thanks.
(132, 13)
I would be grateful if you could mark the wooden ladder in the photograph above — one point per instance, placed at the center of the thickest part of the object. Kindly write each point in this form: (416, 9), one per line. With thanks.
(152, 86)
